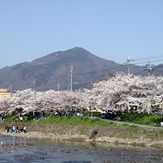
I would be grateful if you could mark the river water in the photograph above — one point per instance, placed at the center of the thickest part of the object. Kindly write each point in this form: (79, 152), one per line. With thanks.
(22, 150)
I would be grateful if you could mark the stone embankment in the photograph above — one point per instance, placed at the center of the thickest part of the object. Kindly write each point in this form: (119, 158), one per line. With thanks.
(119, 135)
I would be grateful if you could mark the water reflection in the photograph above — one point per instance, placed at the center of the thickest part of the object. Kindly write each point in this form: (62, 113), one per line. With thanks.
(15, 149)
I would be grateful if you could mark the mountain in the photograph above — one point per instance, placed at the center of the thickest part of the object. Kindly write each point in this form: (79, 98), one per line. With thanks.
(53, 70)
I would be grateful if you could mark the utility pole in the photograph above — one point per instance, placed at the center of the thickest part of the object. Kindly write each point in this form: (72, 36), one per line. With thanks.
(58, 87)
(149, 68)
(128, 64)
(11, 89)
(34, 82)
(71, 70)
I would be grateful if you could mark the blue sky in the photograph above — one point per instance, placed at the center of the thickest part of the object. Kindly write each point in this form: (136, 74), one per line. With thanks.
(110, 29)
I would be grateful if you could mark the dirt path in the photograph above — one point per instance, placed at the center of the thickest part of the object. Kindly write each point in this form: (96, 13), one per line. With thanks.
(128, 123)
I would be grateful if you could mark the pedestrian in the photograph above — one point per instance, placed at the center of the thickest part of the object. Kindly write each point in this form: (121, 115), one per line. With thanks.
(161, 124)
(17, 129)
(21, 119)
(13, 129)
(7, 128)
(21, 128)
(24, 129)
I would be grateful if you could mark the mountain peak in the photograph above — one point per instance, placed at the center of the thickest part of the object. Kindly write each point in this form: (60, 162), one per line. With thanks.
(54, 69)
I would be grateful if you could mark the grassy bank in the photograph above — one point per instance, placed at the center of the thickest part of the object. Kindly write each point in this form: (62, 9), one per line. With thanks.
(123, 131)
(84, 128)
(76, 121)
(142, 118)
(133, 117)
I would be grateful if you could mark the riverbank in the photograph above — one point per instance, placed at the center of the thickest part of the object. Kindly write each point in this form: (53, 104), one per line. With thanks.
(129, 135)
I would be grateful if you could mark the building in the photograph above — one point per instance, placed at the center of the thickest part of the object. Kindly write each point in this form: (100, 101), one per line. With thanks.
(4, 93)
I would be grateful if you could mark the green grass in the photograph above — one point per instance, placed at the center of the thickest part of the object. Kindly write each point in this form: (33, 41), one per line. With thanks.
(142, 118)
(134, 128)
(112, 129)
(75, 121)
(9, 121)
(133, 117)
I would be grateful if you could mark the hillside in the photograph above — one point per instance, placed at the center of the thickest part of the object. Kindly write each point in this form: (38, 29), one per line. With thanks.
(54, 69)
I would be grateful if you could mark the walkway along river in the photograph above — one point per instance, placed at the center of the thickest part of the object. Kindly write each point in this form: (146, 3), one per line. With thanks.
(128, 123)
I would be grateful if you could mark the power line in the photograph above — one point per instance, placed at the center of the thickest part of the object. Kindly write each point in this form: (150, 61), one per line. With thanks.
(149, 58)
(153, 61)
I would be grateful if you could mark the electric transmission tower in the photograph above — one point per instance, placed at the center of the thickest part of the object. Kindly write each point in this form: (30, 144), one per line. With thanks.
(128, 64)
(149, 68)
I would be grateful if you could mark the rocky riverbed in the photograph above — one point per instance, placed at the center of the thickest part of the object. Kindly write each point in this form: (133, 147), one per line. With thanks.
(136, 137)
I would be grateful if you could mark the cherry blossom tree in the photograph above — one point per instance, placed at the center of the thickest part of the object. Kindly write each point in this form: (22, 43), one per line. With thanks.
(29, 101)
(117, 93)
(122, 91)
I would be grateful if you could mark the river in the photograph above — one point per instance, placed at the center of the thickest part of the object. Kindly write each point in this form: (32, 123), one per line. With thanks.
(22, 150)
